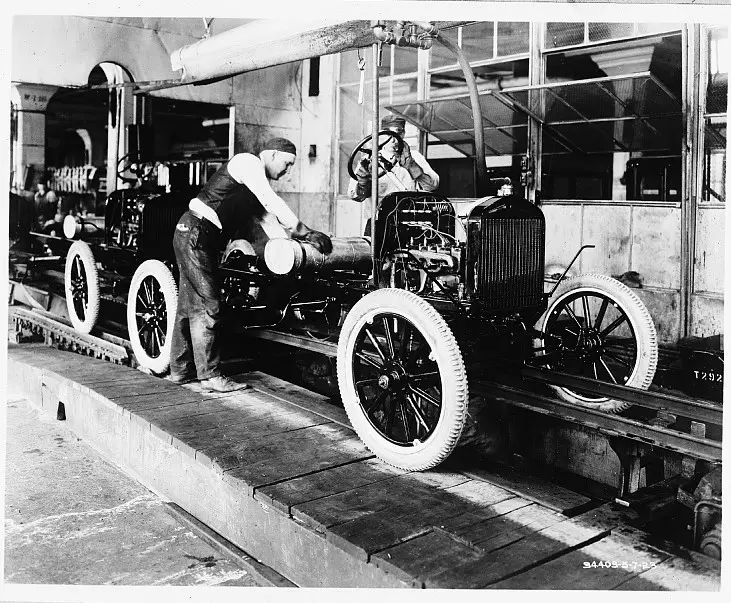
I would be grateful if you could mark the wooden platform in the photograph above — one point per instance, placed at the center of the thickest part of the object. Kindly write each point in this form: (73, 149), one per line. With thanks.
(277, 470)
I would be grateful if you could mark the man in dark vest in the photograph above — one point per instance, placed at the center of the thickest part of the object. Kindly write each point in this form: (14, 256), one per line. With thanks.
(236, 196)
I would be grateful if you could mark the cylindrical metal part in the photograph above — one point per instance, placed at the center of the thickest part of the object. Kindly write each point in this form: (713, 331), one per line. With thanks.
(289, 256)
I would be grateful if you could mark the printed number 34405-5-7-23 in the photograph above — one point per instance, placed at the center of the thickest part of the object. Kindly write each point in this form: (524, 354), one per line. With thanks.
(626, 565)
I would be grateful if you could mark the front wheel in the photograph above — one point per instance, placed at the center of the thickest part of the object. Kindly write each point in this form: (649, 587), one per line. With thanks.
(81, 284)
(402, 379)
(596, 327)
(151, 305)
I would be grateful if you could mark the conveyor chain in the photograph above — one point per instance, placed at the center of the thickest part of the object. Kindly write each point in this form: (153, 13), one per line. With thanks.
(64, 337)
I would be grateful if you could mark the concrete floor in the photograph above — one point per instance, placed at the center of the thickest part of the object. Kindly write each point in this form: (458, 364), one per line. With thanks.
(73, 518)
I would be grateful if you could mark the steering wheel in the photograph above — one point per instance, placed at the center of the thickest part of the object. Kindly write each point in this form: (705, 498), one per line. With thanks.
(384, 165)
(125, 165)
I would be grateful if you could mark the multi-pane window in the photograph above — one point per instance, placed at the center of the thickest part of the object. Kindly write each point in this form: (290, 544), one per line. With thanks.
(611, 114)
(563, 34)
(715, 111)
(498, 53)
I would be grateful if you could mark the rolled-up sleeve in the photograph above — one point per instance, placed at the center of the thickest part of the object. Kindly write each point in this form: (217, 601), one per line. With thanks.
(429, 179)
(248, 169)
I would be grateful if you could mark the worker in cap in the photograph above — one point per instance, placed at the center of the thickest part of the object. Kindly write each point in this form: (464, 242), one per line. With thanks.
(410, 172)
(237, 201)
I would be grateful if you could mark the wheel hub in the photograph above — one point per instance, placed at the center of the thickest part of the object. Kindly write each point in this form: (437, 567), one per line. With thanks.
(393, 376)
(591, 344)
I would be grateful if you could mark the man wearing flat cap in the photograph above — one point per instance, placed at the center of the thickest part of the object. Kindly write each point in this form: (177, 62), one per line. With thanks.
(411, 171)
(236, 199)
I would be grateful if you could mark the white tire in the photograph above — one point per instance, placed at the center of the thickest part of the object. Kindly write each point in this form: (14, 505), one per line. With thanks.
(402, 379)
(596, 327)
(81, 283)
(151, 305)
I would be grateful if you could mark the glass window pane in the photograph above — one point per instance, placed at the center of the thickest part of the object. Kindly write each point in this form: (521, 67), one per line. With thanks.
(440, 55)
(646, 28)
(353, 115)
(714, 164)
(564, 34)
(608, 31)
(512, 38)
(489, 77)
(406, 60)
(477, 41)
(718, 61)
(349, 71)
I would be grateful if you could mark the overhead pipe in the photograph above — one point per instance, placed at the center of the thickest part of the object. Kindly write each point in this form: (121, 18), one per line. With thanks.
(481, 178)
(252, 46)
(260, 44)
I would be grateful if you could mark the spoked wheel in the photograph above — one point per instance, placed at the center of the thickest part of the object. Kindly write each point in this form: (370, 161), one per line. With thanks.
(81, 283)
(237, 293)
(151, 305)
(402, 379)
(596, 327)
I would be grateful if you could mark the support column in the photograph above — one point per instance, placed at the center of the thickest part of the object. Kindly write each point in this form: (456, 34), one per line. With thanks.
(28, 146)
(121, 113)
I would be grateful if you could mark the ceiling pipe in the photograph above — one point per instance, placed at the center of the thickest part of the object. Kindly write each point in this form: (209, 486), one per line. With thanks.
(266, 43)
(481, 176)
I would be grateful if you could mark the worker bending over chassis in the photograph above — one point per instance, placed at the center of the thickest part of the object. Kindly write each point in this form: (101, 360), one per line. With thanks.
(236, 199)
(410, 172)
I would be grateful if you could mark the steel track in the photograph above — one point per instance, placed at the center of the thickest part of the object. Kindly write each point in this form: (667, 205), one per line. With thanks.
(692, 443)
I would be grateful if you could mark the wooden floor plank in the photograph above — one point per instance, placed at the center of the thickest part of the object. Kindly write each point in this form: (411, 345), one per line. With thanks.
(407, 517)
(537, 548)
(247, 426)
(425, 555)
(460, 523)
(694, 572)
(269, 460)
(347, 506)
(533, 488)
(574, 571)
(296, 395)
(441, 549)
(165, 402)
(216, 402)
(229, 446)
(188, 404)
(525, 516)
(319, 485)
(92, 373)
(129, 388)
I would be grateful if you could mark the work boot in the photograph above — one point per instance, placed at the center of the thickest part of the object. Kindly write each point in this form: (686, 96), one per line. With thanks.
(222, 384)
(180, 380)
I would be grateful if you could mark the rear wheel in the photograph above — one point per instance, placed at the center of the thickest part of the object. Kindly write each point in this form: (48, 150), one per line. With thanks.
(596, 327)
(151, 305)
(402, 379)
(81, 283)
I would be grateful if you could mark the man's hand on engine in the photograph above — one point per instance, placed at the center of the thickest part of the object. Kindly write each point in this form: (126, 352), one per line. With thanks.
(319, 240)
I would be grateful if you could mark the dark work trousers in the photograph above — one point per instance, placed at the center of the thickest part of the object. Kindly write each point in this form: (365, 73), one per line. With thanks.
(194, 350)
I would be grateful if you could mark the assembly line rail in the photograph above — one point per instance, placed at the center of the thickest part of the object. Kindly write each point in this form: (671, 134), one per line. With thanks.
(695, 444)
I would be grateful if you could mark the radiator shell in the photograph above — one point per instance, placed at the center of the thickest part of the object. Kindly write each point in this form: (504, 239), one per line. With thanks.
(505, 254)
